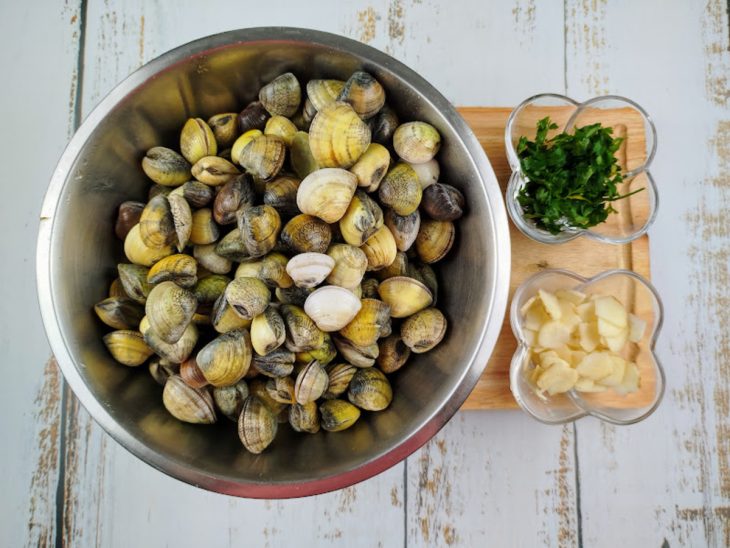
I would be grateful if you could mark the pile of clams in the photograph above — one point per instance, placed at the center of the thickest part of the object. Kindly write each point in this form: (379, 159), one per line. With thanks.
(281, 268)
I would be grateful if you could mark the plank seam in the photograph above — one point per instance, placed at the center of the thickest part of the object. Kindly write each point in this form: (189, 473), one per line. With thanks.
(405, 502)
(578, 511)
(65, 395)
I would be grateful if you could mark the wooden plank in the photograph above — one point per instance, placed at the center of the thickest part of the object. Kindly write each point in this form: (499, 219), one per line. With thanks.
(38, 98)
(667, 481)
(583, 256)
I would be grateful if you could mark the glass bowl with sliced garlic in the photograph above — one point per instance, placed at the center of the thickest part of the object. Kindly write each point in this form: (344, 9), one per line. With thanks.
(586, 346)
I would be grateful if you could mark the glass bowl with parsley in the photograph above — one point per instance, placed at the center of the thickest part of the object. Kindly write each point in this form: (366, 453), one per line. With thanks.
(581, 169)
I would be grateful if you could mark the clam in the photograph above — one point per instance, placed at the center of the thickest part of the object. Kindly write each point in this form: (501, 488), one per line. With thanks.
(177, 352)
(156, 226)
(119, 312)
(300, 155)
(116, 289)
(225, 128)
(293, 295)
(224, 318)
(324, 353)
(362, 219)
(364, 93)
(380, 249)
(369, 289)
(350, 265)
(128, 347)
(260, 227)
(161, 370)
(326, 193)
(372, 167)
(179, 268)
(311, 383)
(197, 140)
(332, 307)
(323, 92)
(134, 281)
(232, 247)
(243, 140)
(399, 267)
(277, 363)
(209, 259)
(428, 172)
(165, 166)
(424, 330)
(304, 418)
(249, 297)
(169, 309)
(281, 194)
(226, 359)
(443, 202)
(257, 388)
(404, 295)
(263, 156)
(128, 215)
(416, 142)
(271, 269)
(229, 399)
(204, 230)
(236, 194)
(282, 95)
(404, 228)
(182, 219)
(393, 354)
(144, 325)
(196, 193)
(256, 426)
(281, 389)
(301, 332)
(309, 269)
(359, 356)
(254, 116)
(191, 374)
(383, 125)
(214, 170)
(434, 240)
(365, 327)
(281, 127)
(267, 331)
(156, 190)
(337, 136)
(307, 115)
(188, 404)
(337, 415)
(401, 189)
(425, 274)
(305, 233)
(209, 288)
(370, 390)
(340, 375)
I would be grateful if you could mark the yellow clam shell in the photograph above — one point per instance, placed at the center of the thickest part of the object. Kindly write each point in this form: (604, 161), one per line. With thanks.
(337, 136)
(326, 193)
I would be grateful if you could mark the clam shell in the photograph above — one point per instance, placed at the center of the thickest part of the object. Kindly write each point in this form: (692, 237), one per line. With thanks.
(210, 260)
(324, 353)
(128, 215)
(191, 374)
(182, 219)
(248, 297)
(404, 228)
(270, 269)
(214, 170)
(424, 330)
(204, 230)
(293, 295)
(305, 233)
(169, 309)
(337, 136)
(224, 318)
(177, 352)
(434, 240)
(323, 92)
(281, 389)
(133, 279)
(383, 125)
(369, 289)
(380, 249)
(302, 333)
(119, 312)
(209, 288)
(196, 193)
(243, 140)
(156, 226)
(138, 253)
(225, 128)
(277, 363)
(351, 264)
(254, 116)
(359, 356)
(281, 194)
(281, 127)
(236, 194)
(393, 354)
(399, 267)
(263, 156)
(309, 269)
(365, 327)
(332, 307)
(260, 227)
(128, 347)
(370, 390)
(179, 268)
(267, 331)
(304, 418)
(226, 359)
(256, 426)
(311, 383)
(229, 399)
(372, 167)
(340, 375)
(443, 202)
(188, 404)
(401, 189)
(364, 93)
(302, 161)
(337, 415)
(165, 166)
(282, 95)
(326, 193)
(197, 140)
(362, 219)
(404, 295)
(416, 142)
(232, 247)
(428, 172)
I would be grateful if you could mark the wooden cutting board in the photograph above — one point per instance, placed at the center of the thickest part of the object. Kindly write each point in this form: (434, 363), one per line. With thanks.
(582, 255)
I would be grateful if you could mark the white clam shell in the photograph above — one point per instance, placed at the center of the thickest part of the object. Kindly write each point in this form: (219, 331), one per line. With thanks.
(309, 269)
(326, 193)
(332, 307)
(428, 172)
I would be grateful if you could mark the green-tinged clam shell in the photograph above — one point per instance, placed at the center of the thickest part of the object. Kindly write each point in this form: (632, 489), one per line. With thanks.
(179, 268)
(229, 399)
(127, 347)
(370, 390)
(249, 297)
(188, 404)
(165, 166)
(226, 359)
(304, 418)
(424, 330)
(119, 312)
(169, 309)
(337, 415)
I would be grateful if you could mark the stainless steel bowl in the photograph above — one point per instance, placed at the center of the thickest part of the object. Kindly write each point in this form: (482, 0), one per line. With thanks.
(77, 256)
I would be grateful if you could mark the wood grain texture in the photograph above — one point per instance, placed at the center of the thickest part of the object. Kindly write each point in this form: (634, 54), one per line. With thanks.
(666, 480)
(583, 256)
(38, 123)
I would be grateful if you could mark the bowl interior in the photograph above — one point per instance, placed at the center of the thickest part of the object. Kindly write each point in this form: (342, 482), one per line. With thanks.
(148, 109)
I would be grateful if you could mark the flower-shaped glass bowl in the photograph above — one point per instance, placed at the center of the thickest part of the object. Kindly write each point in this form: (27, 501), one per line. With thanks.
(641, 299)
(634, 214)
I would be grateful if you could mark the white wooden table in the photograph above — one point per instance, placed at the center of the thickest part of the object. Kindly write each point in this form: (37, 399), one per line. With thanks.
(489, 478)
